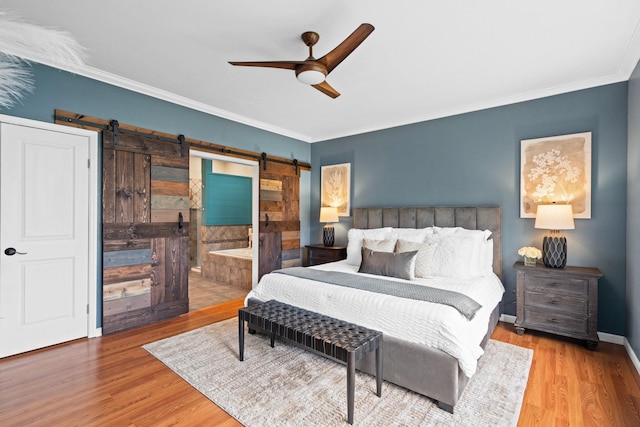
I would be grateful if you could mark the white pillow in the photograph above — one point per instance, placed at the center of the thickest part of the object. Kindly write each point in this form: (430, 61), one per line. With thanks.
(354, 243)
(387, 245)
(460, 254)
(487, 259)
(424, 260)
(411, 234)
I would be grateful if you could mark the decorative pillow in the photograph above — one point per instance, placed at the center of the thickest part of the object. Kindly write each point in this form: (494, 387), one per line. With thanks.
(411, 234)
(458, 255)
(387, 245)
(392, 264)
(424, 259)
(354, 244)
(479, 260)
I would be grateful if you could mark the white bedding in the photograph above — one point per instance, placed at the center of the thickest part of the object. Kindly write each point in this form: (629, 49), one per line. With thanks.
(434, 325)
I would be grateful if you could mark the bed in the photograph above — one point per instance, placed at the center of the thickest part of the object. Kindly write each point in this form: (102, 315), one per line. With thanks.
(423, 353)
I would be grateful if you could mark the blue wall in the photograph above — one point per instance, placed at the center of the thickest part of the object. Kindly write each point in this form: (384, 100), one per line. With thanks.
(474, 158)
(633, 212)
(56, 89)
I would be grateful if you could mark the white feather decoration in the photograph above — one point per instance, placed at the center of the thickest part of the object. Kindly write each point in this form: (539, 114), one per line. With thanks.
(20, 43)
(15, 80)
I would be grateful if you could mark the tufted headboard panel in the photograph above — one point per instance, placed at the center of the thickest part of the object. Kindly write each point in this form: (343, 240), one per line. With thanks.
(470, 217)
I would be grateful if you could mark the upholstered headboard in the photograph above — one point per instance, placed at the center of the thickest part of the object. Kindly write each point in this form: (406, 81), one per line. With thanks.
(472, 218)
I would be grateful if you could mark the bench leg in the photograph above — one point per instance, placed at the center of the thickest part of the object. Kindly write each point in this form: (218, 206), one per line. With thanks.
(351, 379)
(241, 337)
(379, 370)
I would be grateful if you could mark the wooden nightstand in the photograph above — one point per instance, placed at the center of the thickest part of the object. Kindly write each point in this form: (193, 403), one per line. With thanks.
(321, 254)
(562, 301)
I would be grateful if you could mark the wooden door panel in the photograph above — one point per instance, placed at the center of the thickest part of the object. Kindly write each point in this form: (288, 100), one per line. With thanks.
(146, 248)
(270, 253)
(108, 186)
(279, 217)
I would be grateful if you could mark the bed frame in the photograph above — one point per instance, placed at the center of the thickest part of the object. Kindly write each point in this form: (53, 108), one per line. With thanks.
(425, 370)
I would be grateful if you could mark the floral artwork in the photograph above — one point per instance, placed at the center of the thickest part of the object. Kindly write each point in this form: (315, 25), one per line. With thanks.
(556, 170)
(336, 186)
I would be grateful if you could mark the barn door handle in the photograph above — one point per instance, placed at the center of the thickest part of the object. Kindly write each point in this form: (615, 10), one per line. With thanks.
(267, 223)
(180, 221)
(12, 251)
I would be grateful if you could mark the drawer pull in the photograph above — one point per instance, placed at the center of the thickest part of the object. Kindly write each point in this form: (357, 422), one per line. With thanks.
(554, 302)
(553, 320)
(553, 284)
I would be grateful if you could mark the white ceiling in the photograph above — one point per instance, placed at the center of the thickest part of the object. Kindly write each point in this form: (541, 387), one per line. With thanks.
(426, 59)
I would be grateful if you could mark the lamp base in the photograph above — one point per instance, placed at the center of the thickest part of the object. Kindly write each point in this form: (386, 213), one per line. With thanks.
(554, 251)
(328, 235)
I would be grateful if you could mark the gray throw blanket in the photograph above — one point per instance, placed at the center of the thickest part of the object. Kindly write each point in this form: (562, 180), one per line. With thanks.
(464, 304)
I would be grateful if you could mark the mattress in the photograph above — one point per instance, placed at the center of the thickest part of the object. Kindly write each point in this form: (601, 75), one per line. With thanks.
(425, 323)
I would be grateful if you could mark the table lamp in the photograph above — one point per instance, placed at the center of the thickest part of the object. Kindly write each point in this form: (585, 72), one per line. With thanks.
(328, 215)
(554, 218)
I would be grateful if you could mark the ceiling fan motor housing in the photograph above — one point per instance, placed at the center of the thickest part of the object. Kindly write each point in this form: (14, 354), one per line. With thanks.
(312, 73)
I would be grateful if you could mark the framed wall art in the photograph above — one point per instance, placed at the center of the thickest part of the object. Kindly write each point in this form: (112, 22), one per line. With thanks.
(336, 187)
(556, 169)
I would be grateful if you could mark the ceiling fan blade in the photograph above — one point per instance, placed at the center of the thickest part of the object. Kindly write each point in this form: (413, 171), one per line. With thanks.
(332, 59)
(288, 65)
(326, 88)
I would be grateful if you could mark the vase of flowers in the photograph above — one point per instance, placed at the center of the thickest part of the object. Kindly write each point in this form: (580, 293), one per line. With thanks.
(530, 254)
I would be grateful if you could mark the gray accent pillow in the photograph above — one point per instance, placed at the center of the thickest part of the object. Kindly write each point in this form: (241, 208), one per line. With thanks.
(392, 264)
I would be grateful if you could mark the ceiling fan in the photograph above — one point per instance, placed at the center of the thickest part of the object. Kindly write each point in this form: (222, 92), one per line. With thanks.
(313, 71)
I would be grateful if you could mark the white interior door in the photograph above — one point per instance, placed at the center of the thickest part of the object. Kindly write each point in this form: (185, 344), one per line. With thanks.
(44, 236)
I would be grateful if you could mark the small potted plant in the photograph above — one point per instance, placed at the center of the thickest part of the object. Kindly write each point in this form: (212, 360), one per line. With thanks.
(530, 254)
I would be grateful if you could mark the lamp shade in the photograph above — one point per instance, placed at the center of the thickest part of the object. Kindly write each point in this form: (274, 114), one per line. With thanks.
(554, 217)
(329, 214)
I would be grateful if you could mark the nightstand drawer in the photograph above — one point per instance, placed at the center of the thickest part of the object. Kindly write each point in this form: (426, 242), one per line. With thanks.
(554, 321)
(563, 303)
(564, 285)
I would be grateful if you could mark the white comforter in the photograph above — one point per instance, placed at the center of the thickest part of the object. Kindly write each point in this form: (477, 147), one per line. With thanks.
(434, 325)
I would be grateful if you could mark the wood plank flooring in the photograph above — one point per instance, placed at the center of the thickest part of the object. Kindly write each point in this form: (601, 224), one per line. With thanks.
(112, 381)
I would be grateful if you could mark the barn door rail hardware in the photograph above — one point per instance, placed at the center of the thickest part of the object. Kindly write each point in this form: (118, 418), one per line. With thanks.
(94, 123)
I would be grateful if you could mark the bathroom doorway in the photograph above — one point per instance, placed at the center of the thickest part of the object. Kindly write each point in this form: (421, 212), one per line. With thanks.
(224, 209)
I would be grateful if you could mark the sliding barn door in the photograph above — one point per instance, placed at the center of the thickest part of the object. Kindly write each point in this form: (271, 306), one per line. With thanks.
(279, 217)
(145, 199)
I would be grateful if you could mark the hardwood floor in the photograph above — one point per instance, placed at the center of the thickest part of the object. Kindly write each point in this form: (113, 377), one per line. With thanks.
(570, 385)
(112, 381)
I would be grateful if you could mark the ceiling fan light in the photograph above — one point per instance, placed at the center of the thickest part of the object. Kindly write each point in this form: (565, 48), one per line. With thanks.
(310, 77)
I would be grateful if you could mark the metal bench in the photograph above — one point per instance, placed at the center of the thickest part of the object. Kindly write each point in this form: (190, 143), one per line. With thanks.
(337, 339)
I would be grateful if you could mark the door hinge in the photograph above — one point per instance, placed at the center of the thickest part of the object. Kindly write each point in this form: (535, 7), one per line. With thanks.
(87, 308)
(89, 163)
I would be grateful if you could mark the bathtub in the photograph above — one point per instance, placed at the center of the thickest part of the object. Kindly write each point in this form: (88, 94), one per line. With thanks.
(232, 267)
(238, 252)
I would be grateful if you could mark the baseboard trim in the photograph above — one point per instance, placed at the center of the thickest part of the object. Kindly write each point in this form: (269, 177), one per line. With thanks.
(604, 336)
(611, 338)
(632, 355)
(507, 318)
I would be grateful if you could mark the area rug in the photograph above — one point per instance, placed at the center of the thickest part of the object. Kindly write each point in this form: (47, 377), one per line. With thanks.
(287, 386)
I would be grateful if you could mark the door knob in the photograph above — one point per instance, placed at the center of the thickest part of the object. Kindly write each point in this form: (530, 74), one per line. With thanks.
(12, 251)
